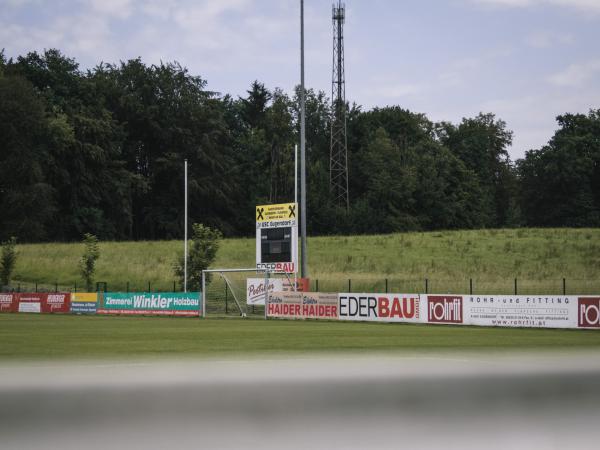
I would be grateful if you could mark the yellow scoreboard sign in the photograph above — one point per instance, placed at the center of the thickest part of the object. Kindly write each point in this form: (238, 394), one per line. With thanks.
(283, 211)
(277, 238)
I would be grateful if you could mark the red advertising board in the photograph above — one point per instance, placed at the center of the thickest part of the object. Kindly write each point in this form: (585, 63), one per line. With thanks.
(58, 302)
(444, 309)
(588, 312)
(9, 302)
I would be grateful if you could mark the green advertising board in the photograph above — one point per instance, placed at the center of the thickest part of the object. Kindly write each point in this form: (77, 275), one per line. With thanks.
(152, 303)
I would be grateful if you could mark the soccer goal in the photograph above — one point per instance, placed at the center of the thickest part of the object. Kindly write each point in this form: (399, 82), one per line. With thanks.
(240, 292)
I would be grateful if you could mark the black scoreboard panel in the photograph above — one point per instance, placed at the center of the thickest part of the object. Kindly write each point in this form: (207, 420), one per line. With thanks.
(276, 244)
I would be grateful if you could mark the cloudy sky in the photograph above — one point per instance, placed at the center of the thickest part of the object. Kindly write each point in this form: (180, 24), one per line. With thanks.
(525, 60)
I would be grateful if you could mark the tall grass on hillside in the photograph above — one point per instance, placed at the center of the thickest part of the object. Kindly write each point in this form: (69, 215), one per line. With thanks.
(538, 258)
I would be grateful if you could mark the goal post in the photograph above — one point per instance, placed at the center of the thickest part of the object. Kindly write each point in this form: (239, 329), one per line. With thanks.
(240, 292)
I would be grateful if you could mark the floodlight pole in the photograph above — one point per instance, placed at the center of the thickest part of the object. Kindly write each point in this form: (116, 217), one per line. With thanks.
(296, 201)
(304, 271)
(296, 173)
(185, 227)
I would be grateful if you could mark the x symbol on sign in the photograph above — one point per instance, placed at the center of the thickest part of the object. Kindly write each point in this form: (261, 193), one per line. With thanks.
(259, 213)
(292, 209)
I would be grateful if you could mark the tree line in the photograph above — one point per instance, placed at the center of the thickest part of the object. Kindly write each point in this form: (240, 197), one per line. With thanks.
(101, 151)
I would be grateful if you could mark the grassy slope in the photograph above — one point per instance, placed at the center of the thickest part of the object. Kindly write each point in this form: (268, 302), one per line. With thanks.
(24, 336)
(493, 258)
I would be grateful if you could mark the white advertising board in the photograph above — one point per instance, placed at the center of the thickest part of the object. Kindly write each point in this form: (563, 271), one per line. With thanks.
(255, 289)
(548, 311)
(380, 307)
(303, 305)
(277, 238)
(30, 307)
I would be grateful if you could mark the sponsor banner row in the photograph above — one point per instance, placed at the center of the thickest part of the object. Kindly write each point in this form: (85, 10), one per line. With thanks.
(175, 304)
(480, 310)
(255, 288)
(35, 302)
(151, 303)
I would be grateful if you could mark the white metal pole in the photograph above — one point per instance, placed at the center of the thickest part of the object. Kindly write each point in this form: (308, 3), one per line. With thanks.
(185, 228)
(296, 201)
(203, 294)
(266, 293)
(304, 272)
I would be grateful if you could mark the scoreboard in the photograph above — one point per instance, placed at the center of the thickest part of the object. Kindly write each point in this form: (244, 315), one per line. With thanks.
(277, 238)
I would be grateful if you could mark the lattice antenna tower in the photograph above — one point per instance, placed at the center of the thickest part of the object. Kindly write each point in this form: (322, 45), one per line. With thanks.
(338, 160)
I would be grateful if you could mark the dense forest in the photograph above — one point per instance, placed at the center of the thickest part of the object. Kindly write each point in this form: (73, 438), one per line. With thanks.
(101, 151)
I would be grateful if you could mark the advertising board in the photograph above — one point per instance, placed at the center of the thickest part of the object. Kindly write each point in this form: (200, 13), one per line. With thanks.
(84, 302)
(303, 305)
(531, 311)
(588, 312)
(255, 288)
(57, 302)
(380, 307)
(319, 306)
(277, 238)
(445, 309)
(547, 311)
(30, 303)
(9, 302)
(152, 303)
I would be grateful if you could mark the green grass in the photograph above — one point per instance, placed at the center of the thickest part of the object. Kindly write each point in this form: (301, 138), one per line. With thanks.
(24, 336)
(539, 258)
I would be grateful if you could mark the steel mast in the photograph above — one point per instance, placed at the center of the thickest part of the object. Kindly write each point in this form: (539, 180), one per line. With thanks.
(338, 160)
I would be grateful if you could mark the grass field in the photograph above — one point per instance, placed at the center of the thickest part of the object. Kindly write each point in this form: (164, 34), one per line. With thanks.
(539, 258)
(24, 336)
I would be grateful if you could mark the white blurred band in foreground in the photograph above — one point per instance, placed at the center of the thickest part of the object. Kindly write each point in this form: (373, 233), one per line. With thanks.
(405, 401)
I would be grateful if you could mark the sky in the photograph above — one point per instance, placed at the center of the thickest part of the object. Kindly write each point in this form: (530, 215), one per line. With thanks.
(527, 61)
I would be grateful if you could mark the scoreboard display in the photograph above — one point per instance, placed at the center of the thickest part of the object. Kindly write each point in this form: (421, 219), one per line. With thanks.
(277, 238)
(276, 244)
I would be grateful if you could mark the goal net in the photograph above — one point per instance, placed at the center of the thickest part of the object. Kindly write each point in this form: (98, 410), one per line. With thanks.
(240, 292)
